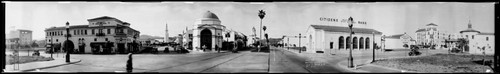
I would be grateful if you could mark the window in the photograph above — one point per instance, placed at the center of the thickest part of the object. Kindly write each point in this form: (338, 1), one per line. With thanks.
(85, 32)
(331, 45)
(361, 43)
(75, 32)
(367, 43)
(92, 31)
(472, 36)
(109, 31)
(355, 43)
(487, 38)
(467, 36)
(106, 39)
(57, 40)
(95, 39)
(341, 42)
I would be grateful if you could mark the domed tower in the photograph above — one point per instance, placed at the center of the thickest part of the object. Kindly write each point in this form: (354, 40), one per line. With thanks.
(207, 33)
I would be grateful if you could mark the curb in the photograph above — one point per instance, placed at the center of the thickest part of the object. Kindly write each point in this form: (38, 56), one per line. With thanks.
(26, 70)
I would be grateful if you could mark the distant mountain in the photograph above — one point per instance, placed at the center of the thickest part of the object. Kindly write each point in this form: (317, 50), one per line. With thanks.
(149, 37)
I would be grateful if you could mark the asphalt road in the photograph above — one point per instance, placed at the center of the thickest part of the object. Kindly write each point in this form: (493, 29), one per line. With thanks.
(276, 61)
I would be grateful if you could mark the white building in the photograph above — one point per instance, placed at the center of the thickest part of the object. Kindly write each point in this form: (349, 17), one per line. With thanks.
(92, 37)
(208, 32)
(19, 37)
(479, 43)
(397, 41)
(330, 39)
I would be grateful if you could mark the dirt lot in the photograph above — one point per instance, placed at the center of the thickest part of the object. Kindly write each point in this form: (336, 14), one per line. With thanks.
(440, 63)
(25, 59)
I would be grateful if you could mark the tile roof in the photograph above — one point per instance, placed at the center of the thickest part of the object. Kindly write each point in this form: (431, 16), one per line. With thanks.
(105, 17)
(420, 30)
(486, 34)
(470, 30)
(345, 29)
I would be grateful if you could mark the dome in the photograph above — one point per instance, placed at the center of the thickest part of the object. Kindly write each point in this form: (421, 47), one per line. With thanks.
(210, 15)
(432, 24)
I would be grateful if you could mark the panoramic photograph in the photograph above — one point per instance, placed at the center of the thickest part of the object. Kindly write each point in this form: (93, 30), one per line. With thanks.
(249, 37)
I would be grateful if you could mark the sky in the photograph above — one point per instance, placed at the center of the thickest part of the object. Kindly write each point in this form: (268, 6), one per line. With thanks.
(282, 18)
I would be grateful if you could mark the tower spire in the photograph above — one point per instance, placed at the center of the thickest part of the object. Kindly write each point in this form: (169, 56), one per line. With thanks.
(470, 25)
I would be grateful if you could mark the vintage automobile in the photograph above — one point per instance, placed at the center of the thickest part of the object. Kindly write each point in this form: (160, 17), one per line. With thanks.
(49, 49)
(414, 52)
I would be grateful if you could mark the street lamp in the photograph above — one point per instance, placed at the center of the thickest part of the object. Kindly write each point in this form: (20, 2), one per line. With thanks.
(300, 48)
(262, 13)
(373, 60)
(350, 23)
(67, 41)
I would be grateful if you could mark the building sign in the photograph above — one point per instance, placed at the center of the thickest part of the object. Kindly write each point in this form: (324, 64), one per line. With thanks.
(337, 20)
(405, 38)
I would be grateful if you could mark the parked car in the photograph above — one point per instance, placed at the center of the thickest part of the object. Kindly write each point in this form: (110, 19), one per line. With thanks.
(455, 50)
(414, 52)
(49, 49)
(37, 53)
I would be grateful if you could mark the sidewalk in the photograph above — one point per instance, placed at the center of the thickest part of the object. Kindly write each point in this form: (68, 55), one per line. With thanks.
(32, 66)
(363, 64)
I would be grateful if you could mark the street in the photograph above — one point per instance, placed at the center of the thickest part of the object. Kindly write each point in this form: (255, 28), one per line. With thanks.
(277, 61)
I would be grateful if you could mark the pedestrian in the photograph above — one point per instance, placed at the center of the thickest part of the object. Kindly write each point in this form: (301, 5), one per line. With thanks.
(129, 63)
(204, 47)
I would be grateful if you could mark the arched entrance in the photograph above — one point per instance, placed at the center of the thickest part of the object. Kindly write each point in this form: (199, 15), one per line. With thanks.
(206, 39)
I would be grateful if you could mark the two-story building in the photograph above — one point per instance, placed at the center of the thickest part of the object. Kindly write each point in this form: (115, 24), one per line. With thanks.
(92, 38)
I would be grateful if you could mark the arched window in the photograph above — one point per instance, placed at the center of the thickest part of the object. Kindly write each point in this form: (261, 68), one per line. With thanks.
(355, 43)
(367, 43)
(341, 42)
(361, 43)
(348, 43)
(487, 38)
(331, 45)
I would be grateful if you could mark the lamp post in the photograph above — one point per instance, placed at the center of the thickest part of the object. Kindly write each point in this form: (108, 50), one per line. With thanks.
(265, 34)
(67, 39)
(350, 23)
(262, 13)
(300, 48)
(51, 45)
(373, 60)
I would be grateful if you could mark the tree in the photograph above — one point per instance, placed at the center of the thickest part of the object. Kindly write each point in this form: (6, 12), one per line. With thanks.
(34, 44)
(463, 44)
